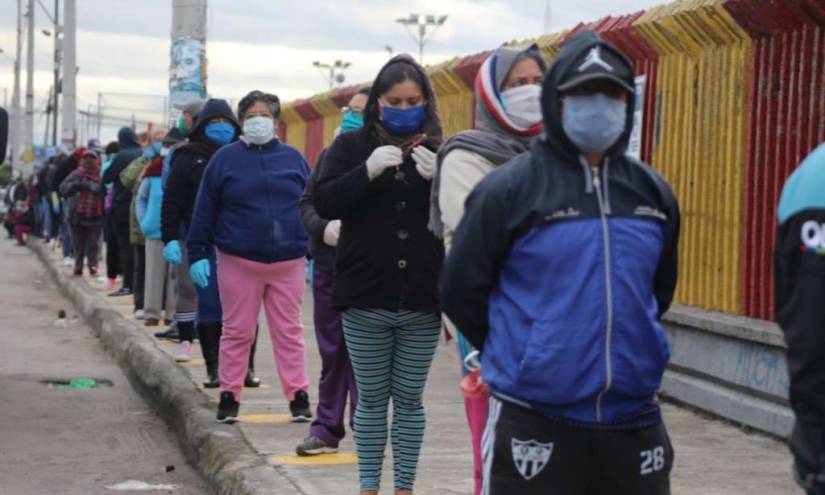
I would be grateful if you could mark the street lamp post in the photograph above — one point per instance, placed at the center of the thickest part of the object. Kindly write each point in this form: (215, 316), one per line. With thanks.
(422, 22)
(336, 71)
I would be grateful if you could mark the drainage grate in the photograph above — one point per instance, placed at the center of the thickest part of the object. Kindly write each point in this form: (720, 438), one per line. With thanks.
(78, 383)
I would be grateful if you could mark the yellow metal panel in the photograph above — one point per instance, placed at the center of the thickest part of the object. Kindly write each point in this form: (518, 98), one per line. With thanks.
(700, 143)
(295, 127)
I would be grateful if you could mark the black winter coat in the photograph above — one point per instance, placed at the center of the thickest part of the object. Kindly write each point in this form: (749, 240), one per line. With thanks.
(386, 258)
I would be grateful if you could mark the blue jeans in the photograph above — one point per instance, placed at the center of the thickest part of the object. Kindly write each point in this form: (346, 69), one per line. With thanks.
(65, 230)
(209, 300)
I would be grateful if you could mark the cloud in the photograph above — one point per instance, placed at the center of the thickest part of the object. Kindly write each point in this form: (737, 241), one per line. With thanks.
(123, 45)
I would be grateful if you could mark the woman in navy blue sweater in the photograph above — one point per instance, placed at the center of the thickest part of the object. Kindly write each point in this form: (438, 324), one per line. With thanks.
(247, 208)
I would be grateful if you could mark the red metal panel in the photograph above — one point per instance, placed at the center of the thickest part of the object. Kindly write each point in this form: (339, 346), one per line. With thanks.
(282, 131)
(787, 121)
(344, 95)
(314, 140)
(467, 68)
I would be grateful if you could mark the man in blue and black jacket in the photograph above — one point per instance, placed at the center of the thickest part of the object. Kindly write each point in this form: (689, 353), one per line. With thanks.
(799, 278)
(560, 270)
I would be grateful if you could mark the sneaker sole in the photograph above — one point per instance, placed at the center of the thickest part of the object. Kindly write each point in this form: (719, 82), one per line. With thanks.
(228, 420)
(300, 419)
(311, 452)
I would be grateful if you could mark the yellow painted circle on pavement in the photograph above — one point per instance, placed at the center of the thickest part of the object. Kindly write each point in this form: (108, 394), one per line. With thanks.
(264, 418)
(315, 460)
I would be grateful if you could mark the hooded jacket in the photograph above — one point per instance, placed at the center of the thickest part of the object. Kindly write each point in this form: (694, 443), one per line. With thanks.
(386, 257)
(149, 199)
(560, 275)
(129, 151)
(247, 205)
(187, 167)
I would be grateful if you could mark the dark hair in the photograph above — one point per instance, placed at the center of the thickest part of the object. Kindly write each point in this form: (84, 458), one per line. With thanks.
(112, 148)
(364, 91)
(398, 73)
(252, 97)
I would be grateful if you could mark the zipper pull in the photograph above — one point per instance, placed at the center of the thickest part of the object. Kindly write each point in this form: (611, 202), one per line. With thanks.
(596, 177)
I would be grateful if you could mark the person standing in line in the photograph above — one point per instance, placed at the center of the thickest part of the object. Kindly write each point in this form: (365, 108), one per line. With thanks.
(215, 126)
(559, 273)
(109, 237)
(159, 288)
(187, 303)
(84, 193)
(66, 164)
(376, 180)
(130, 178)
(337, 380)
(247, 208)
(121, 203)
(799, 280)
(507, 119)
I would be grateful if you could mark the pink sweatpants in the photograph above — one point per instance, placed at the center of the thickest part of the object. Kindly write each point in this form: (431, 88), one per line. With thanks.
(244, 285)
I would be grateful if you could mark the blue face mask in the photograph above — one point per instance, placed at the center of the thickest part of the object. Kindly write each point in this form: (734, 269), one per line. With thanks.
(220, 132)
(152, 151)
(594, 122)
(352, 121)
(403, 121)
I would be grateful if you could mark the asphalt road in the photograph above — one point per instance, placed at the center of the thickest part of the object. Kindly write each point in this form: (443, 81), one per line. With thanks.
(60, 440)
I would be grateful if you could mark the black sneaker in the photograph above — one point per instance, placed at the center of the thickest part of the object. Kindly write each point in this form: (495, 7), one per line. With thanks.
(314, 446)
(122, 292)
(228, 408)
(299, 408)
(171, 334)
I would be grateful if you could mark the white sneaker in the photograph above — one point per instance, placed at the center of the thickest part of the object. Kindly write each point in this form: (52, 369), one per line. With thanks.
(102, 279)
(68, 261)
(184, 352)
(140, 314)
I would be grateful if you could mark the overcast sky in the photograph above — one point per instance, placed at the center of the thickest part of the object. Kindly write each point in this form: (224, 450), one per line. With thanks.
(123, 46)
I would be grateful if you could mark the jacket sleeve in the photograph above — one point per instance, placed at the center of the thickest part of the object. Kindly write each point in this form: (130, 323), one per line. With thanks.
(667, 271)
(472, 267)
(342, 184)
(113, 172)
(142, 200)
(130, 175)
(205, 214)
(174, 201)
(461, 170)
(314, 224)
(71, 185)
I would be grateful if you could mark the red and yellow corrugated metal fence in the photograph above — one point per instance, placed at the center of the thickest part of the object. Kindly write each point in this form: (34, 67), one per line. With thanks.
(734, 100)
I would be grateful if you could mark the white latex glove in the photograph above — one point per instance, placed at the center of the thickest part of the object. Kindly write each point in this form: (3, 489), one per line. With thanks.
(424, 162)
(382, 158)
(331, 233)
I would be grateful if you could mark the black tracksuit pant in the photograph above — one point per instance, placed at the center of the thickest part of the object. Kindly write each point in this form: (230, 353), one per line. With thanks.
(529, 454)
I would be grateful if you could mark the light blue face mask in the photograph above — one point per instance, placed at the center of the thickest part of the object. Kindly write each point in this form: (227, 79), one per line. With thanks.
(593, 122)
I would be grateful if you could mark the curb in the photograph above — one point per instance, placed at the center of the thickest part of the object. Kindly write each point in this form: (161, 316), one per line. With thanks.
(221, 453)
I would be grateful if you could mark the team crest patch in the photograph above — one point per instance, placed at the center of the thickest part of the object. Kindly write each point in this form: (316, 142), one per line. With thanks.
(530, 456)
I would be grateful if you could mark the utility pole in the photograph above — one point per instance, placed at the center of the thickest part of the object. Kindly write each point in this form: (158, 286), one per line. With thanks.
(49, 111)
(69, 134)
(16, 121)
(422, 22)
(57, 46)
(99, 111)
(28, 132)
(187, 70)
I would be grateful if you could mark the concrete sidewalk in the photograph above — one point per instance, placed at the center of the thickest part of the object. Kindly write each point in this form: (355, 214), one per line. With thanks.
(712, 457)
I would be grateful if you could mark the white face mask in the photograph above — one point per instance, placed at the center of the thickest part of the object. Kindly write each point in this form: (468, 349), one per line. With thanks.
(259, 130)
(523, 104)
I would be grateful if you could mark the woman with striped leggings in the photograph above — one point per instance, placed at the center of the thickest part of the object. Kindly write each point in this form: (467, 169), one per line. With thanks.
(377, 181)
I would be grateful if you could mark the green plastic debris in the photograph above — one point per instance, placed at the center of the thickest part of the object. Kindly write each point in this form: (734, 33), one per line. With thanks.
(82, 383)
